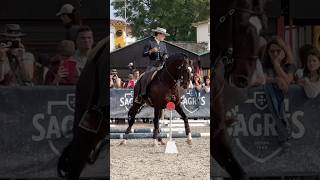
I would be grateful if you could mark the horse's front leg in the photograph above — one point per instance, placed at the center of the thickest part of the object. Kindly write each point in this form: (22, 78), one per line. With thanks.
(156, 131)
(131, 119)
(186, 123)
(159, 117)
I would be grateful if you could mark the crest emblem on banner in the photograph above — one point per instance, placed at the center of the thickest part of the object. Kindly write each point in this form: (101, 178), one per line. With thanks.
(191, 102)
(260, 100)
(71, 102)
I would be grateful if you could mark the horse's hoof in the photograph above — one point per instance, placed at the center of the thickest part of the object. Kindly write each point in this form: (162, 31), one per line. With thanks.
(124, 142)
(189, 141)
(162, 143)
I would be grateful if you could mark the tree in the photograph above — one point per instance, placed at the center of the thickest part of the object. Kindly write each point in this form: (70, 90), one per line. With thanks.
(174, 15)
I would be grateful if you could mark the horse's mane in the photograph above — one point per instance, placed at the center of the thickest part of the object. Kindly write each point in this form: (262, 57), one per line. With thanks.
(176, 56)
(96, 49)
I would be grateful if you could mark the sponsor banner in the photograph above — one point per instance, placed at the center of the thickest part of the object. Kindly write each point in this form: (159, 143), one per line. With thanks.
(255, 141)
(195, 104)
(35, 125)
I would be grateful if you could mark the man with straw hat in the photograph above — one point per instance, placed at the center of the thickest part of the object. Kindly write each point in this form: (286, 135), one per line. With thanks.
(156, 49)
(157, 52)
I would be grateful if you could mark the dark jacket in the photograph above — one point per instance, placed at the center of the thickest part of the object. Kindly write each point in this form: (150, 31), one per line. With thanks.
(158, 55)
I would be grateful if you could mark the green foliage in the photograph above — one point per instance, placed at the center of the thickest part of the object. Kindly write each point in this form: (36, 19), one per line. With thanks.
(174, 15)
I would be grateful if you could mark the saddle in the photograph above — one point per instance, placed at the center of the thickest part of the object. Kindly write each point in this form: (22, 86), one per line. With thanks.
(143, 83)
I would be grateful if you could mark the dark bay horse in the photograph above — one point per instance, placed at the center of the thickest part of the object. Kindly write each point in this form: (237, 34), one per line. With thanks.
(91, 124)
(164, 87)
(236, 27)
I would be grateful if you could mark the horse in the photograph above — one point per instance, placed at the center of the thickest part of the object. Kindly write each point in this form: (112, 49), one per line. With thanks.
(235, 51)
(163, 88)
(90, 125)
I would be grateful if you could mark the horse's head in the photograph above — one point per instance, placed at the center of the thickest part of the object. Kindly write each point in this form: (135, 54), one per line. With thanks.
(180, 67)
(236, 34)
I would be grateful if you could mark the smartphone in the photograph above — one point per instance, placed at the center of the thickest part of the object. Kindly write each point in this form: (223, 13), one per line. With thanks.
(70, 66)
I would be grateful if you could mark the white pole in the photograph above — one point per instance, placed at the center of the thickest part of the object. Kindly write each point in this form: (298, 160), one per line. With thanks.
(171, 125)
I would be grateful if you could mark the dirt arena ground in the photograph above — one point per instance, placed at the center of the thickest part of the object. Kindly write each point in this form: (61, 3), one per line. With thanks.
(138, 159)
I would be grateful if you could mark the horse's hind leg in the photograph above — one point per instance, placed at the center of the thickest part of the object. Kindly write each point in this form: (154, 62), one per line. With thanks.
(186, 123)
(131, 118)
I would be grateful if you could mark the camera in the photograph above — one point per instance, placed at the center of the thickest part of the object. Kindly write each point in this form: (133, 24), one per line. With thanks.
(114, 77)
(10, 44)
(15, 44)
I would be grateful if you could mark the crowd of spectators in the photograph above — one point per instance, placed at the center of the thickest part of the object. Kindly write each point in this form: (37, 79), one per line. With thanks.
(19, 67)
(278, 67)
(199, 83)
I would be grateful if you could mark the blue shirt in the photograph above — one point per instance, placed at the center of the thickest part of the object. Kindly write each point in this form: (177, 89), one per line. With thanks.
(157, 55)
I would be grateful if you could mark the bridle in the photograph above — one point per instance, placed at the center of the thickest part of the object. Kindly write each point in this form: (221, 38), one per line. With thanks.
(179, 73)
(227, 57)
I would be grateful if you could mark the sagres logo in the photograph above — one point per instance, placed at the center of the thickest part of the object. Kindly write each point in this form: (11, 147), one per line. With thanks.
(255, 132)
(127, 100)
(55, 125)
(192, 100)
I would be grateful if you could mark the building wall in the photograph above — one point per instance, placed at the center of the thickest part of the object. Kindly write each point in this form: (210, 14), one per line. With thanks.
(202, 33)
(112, 38)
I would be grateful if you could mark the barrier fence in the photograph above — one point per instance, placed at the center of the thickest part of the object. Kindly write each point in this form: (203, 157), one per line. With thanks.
(35, 125)
(194, 105)
(255, 142)
(35, 121)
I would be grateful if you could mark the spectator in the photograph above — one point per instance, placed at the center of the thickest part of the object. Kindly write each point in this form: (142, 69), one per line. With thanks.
(16, 64)
(131, 82)
(303, 56)
(304, 53)
(197, 82)
(115, 81)
(70, 20)
(206, 84)
(40, 69)
(311, 78)
(84, 43)
(119, 83)
(197, 85)
(136, 75)
(131, 67)
(279, 69)
(62, 68)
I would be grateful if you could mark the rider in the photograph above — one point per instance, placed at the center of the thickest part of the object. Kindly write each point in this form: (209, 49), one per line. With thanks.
(157, 51)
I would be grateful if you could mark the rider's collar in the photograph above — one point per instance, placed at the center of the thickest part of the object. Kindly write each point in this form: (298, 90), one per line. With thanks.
(158, 41)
